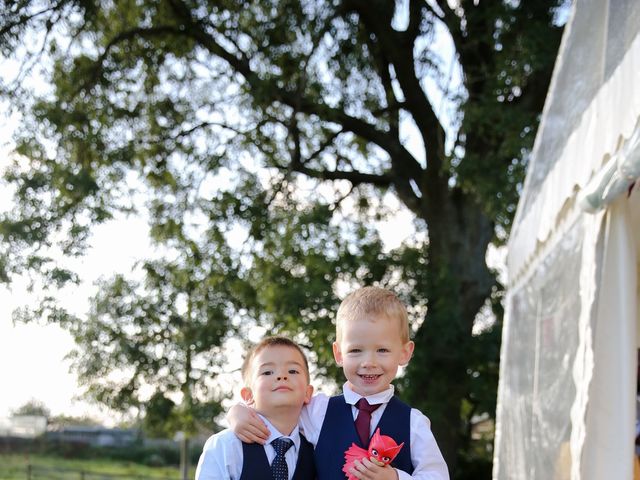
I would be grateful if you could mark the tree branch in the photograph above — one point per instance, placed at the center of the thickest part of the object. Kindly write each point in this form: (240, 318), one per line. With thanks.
(405, 167)
(290, 98)
(341, 199)
(399, 47)
(353, 176)
(24, 19)
(122, 37)
(393, 105)
(324, 145)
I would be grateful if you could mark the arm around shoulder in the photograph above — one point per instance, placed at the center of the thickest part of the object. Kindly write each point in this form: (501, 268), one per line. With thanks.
(246, 424)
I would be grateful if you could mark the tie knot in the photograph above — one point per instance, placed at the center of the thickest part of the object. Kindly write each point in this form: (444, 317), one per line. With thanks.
(281, 445)
(365, 406)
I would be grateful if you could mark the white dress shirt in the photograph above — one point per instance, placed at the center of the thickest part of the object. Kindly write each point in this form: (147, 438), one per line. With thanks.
(221, 457)
(426, 458)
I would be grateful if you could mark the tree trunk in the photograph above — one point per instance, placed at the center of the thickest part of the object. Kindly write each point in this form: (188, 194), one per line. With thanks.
(458, 284)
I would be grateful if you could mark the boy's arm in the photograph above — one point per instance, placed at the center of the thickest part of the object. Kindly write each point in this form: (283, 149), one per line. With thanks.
(428, 463)
(219, 460)
(209, 468)
(247, 425)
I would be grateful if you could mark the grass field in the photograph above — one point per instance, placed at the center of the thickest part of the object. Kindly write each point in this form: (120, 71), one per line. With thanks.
(14, 467)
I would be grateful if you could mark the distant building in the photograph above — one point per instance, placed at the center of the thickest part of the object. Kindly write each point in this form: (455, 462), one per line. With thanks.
(23, 426)
(94, 436)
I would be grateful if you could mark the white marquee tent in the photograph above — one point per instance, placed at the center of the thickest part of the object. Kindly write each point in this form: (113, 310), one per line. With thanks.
(567, 394)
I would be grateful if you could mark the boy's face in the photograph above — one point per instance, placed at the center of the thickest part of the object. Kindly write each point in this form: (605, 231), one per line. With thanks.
(278, 379)
(370, 352)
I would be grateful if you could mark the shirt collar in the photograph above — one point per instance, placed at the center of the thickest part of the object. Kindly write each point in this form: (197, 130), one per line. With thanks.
(274, 433)
(352, 397)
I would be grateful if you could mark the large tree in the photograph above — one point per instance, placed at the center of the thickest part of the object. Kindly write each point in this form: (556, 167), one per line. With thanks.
(285, 123)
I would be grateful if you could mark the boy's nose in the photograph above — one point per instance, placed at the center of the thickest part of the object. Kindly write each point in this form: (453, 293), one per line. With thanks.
(281, 377)
(368, 362)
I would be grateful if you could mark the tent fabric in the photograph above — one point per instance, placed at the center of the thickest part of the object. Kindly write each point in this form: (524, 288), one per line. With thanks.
(602, 442)
(583, 365)
(592, 107)
(536, 389)
(566, 397)
(609, 121)
(597, 38)
(566, 405)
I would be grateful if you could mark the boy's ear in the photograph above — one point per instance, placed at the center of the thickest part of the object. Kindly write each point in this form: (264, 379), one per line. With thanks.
(407, 352)
(308, 394)
(247, 395)
(337, 353)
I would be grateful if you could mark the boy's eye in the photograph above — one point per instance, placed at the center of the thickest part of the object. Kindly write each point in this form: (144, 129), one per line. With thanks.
(355, 350)
(266, 372)
(293, 371)
(383, 350)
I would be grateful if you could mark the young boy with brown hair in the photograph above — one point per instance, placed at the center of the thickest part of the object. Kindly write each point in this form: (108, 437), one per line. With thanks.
(372, 341)
(276, 384)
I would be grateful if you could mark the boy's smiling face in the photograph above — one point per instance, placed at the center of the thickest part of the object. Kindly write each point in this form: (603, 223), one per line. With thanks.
(370, 351)
(278, 379)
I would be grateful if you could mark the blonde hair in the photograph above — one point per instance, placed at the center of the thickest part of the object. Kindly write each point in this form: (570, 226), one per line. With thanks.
(372, 300)
(275, 341)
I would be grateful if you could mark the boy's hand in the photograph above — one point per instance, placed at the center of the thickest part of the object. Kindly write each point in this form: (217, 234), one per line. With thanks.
(247, 425)
(366, 469)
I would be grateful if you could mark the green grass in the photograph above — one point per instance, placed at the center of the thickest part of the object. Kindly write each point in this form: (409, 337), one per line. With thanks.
(14, 467)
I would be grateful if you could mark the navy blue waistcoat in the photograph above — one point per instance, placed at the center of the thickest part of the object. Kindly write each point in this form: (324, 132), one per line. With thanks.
(339, 432)
(255, 465)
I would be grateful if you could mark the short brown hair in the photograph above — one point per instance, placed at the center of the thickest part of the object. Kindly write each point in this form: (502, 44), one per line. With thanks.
(373, 300)
(274, 341)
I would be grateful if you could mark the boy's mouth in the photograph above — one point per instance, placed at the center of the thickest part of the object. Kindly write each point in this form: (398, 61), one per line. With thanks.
(369, 378)
(282, 388)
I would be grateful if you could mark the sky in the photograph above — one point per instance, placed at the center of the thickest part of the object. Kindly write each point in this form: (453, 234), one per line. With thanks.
(32, 357)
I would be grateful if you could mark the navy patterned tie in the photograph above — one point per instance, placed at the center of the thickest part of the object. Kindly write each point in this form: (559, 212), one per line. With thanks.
(279, 468)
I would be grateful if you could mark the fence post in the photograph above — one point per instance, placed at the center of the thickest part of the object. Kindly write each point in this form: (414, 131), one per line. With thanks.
(81, 474)
(184, 458)
(28, 471)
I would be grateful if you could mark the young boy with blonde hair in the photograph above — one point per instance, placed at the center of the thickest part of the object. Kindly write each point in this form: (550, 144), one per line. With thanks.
(372, 341)
(276, 384)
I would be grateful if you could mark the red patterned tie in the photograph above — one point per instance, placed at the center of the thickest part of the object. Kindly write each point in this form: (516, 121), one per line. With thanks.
(363, 420)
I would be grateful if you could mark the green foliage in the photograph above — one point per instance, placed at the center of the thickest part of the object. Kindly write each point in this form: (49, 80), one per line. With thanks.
(512, 77)
(62, 421)
(262, 140)
(32, 407)
(133, 464)
(165, 333)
